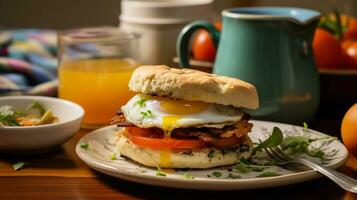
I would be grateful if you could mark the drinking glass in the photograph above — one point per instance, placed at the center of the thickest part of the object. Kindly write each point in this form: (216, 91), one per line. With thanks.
(95, 65)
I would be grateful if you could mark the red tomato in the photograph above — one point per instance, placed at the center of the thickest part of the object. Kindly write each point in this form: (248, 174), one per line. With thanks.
(327, 50)
(141, 137)
(145, 138)
(350, 48)
(202, 47)
(351, 27)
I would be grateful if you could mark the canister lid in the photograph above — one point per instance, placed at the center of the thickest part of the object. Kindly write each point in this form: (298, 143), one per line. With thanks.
(164, 11)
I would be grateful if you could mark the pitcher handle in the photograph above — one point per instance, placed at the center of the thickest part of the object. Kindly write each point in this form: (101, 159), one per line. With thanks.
(183, 40)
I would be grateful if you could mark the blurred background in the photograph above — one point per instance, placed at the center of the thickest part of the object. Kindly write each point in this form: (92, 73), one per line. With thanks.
(66, 14)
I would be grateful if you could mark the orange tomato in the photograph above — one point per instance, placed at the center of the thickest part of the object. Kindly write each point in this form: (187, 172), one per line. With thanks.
(146, 138)
(327, 50)
(349, 129)
(350, 48)
(202, 46)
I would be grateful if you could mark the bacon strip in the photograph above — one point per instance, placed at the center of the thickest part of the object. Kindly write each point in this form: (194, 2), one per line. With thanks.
(239, 129)
(120, 121)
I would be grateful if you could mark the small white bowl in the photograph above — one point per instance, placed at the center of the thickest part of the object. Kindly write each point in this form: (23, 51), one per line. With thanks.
(34, 139)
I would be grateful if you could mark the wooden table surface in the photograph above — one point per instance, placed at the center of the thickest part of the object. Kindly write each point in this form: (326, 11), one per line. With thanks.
(60, 174)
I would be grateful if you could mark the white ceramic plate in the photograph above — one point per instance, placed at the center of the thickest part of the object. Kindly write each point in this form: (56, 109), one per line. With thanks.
(100, 152)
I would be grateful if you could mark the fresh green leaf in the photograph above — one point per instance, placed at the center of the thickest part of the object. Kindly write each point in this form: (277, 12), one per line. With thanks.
(6, 110)
(18, 166)
(257, 169)
(296, 144)
(244, 161)
(268, 174)
(38, 106)
(84, 146)
(317, 153)
(245, 166)
(273, 140)
(217, 174)
(273, 161)
(8, 116)
(249, 164)
(188, 176)
(141, 103)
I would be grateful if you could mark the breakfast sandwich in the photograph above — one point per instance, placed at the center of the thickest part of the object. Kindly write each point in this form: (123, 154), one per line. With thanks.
(183, 118)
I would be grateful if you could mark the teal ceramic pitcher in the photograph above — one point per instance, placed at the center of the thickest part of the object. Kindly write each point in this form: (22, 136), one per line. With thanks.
(269, 47)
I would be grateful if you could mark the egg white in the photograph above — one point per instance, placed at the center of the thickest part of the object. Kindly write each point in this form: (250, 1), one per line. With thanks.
(214, 115)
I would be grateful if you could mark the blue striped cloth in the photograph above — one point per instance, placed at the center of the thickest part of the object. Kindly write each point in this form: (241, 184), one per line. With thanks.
(28, 62)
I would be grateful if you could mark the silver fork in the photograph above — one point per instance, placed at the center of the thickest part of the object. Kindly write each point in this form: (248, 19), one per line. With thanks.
(342, 180)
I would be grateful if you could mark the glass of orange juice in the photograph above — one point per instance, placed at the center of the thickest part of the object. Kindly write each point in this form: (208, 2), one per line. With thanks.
(95, 65)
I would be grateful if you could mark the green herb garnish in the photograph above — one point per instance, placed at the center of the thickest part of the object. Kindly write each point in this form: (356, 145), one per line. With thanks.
(233, 176)
(84, 146)
(211, 153)
(141, 102)
(305, 125)
(113, 157)
(8, 116)
(244, 161)
(241, 168)
(217, 174)
(18, 166)
(295, 145)
(11, 117)
(245, 166)
(37, 106)
(275, 139)
(187, 153)
(188, 176)
(146, 114)
(159, 172)
(268, 174)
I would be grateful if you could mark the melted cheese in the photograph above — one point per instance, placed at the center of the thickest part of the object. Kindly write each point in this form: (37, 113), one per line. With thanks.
(165, 158)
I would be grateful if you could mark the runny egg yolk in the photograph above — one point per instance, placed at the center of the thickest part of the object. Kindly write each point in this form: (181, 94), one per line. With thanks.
(169, 123)
(165, 158)
(176, 109)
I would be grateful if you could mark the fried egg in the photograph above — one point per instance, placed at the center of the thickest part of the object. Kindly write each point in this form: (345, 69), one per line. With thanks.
(147, 111)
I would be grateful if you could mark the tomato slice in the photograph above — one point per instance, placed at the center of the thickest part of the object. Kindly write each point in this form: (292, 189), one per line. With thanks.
(143, 137)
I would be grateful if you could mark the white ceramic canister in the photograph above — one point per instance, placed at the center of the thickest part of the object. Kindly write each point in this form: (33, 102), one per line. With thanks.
(159, 22)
